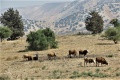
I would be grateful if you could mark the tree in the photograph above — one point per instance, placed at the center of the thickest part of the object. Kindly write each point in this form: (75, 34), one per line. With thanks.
(115, 22)
(5, 32)
(13, 20)
(94, 23)
(113, 34)
(37, 41)
(41, 40)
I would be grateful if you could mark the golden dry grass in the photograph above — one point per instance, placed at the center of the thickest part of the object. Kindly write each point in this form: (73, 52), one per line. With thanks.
(12, 63)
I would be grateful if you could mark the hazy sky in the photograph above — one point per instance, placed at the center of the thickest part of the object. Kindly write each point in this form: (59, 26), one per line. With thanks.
(22, 3)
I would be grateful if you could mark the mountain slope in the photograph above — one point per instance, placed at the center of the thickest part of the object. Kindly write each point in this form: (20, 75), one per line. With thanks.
(68, 16)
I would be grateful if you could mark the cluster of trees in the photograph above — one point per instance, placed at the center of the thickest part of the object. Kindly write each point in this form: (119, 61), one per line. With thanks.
(41, 40)
(94, 24)
(13, 28)
(13, 21)
(45, 38)
(113, 33)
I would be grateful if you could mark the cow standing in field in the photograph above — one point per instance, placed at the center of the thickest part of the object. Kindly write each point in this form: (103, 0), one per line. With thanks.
(51, 55)
(86, 60)
(101, 60)
(83, 52)
(27, 57)
(35, 57)
(72, 52)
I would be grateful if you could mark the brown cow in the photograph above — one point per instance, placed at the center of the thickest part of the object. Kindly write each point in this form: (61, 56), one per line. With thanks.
(101, 60)
(72, 52)
(86, 60)
(83, 52)
(27, 57)
(51, 55)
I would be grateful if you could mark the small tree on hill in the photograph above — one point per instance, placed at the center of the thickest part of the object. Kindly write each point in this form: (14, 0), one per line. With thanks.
(94, 23)
(41, 39)
(115, 22)
(37, 41)
(13, 20)
(113, 34)
(5, 32)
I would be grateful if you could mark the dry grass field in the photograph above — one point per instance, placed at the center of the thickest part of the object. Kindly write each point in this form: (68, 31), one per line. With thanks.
(12, 65)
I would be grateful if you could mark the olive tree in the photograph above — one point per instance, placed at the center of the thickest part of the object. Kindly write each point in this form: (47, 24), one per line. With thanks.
(113, 34)
(5, 32)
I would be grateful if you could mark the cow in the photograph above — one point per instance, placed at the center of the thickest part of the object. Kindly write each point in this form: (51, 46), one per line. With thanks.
(35, 57)
(83, 52)
(86, 60)
(72, 52)
(100, 60)
(27, 57)
(51, 55)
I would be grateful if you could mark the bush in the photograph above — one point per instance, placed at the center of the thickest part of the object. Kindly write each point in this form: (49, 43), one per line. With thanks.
(118, 74)
(5, 32)
(113, 34)
(110, 55)
(41, 40)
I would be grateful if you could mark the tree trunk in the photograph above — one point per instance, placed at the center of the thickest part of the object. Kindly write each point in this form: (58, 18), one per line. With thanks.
(1, 39)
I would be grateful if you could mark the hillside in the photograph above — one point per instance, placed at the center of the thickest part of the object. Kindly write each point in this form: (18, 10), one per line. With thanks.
(65, 17)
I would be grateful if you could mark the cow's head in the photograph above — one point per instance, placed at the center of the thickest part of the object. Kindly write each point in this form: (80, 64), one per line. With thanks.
(85, 51)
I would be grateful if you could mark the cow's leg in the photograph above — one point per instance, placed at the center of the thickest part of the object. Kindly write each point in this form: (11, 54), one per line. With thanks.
(79, 55)
(54, 58)
(84, 63)
(75, 55)
(48, 58)
(96, 63)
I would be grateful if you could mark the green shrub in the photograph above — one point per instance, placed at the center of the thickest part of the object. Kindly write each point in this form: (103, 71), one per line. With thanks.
(110, 55)
(41, 40)
(118, 74)
(113, 34)
(5, 32)
(4, 78)
(56, 74)
(89, 74)
(100, 75)
(75, 74)
(97, 70)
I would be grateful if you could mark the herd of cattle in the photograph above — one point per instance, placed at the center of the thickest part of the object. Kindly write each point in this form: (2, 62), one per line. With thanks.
(72, 53)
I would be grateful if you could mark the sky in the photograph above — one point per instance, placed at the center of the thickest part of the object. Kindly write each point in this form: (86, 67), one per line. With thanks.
(24, 3)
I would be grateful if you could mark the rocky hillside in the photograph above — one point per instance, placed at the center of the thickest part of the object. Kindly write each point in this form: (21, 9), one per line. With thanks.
(68, 16)
(108, 9)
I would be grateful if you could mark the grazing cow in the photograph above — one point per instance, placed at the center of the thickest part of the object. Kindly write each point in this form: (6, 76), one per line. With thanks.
(27, 57)
(51, 55)
(83, 52)
(35, 57)
(101, 60)
(72, 52)
(86, 60)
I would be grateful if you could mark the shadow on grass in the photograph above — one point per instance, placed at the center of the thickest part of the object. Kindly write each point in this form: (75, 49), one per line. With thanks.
(26, 50)
(105, 44)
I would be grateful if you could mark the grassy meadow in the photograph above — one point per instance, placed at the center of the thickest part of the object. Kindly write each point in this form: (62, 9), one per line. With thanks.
(12, 65)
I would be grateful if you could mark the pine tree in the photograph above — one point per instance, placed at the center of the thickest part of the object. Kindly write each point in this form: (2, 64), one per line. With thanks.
(94, 23)
(13, 20)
